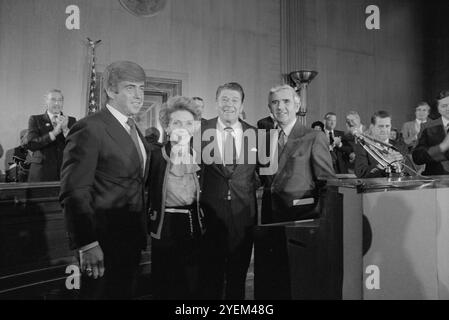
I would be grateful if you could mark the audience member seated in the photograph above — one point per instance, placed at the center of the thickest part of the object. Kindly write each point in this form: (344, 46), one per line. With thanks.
(365, 164)
(19, 166)
(46, 139)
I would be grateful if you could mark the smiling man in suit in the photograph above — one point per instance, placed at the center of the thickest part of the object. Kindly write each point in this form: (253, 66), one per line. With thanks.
(433, 141)
(303, 158)
(102, 187)
(337, 148)
(228, 196)
(46, 139)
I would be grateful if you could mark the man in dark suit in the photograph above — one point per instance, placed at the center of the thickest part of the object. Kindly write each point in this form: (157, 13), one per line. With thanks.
(200, 102)
(266, 123)
(368, 167)
(291, 193)
(102, 187)
(228, 195)
(433, 142)
(339, 154)
(46, 139)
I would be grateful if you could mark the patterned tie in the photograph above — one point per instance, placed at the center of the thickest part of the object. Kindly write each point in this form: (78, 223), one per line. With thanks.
(133, 133)
(331, 138)
(281, 142)
(230, 152)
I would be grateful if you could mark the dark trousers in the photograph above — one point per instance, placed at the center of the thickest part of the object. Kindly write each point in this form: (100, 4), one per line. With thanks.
(175, 258)
(225, 264)
(175, 270)
(118, 282)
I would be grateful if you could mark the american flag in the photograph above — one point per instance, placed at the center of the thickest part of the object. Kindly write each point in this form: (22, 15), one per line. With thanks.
(93, 105)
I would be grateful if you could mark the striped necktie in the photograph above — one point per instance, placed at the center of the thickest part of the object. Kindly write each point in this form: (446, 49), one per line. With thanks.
(229, 150)
(133, 133)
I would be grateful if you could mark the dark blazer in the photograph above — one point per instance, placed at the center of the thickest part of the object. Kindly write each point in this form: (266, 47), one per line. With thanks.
(366, 166)
(157, 181)
(46, 159)
(217, 180)
(340, 155)
(266, 123)
(102, 185)
(304, 159)
(427, 150)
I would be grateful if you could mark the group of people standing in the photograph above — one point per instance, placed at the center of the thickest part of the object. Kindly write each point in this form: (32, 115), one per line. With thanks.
(116, 188)
(195, 197)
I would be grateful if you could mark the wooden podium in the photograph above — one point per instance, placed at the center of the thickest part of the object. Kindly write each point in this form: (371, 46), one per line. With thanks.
(395, 238)
(391, 242)
(34, 249)
(301, 259)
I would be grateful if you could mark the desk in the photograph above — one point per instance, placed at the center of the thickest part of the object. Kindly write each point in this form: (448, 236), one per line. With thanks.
(34, 250)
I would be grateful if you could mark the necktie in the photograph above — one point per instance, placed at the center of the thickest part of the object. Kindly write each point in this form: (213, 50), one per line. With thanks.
(281, 142)
(133, 133)
(331, 138)
(230, 153)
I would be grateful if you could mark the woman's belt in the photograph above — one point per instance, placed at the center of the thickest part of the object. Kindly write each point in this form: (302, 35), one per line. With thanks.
(184, 210)
(174, 210)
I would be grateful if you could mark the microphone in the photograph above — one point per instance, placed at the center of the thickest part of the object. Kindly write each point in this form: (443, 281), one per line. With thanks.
(364, 137)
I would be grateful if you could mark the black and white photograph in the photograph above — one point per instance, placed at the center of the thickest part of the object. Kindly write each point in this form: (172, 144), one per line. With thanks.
(224, 155)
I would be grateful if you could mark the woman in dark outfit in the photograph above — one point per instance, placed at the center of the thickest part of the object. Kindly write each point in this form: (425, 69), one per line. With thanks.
(176, 224)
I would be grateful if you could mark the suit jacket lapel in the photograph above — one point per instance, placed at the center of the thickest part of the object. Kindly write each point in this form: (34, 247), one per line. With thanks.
(119, 134)
(217, 159)
(147, 151)
(293, 139)
(244, 155)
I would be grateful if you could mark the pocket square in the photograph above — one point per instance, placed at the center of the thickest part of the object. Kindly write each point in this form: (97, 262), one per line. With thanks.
(302, 202)
(254, 149)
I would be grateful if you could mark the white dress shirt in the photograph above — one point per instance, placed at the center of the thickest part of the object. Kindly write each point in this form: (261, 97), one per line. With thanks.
(221, 136)
(123, 119)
